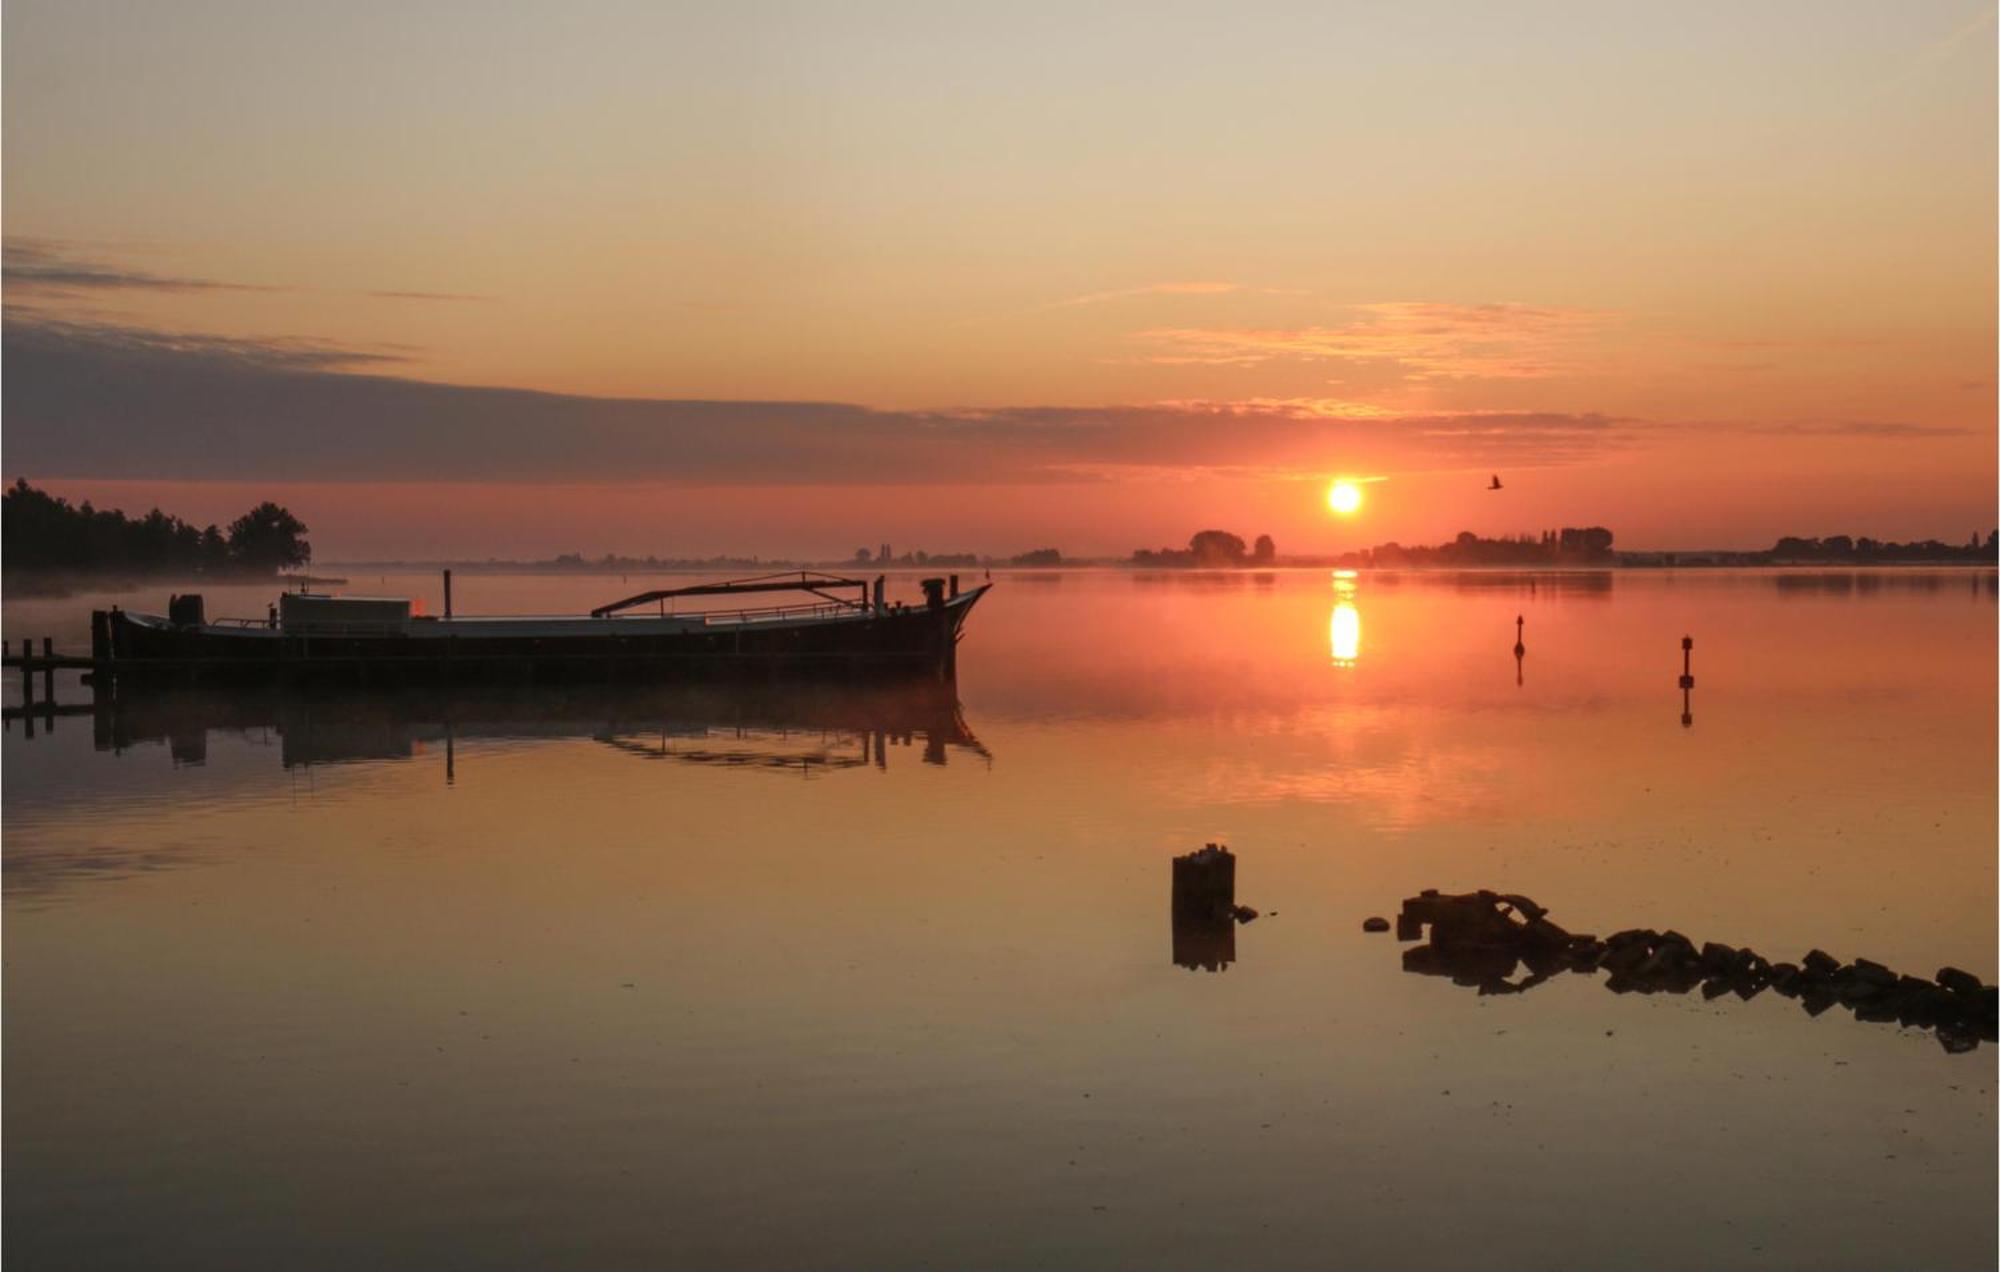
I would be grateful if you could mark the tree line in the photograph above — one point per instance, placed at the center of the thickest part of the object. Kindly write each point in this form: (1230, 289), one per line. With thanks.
(1571, 545)
(40, 532)
(1841, 547)
(1210, 550)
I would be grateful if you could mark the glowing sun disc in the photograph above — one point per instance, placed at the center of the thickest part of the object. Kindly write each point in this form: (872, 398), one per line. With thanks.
(1344, 497)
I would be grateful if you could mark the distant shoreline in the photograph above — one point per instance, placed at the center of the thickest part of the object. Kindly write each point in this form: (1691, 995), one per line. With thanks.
(25, 584)
(1699, 561)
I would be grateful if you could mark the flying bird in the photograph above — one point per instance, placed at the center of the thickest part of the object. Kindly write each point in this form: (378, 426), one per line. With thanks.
(1496, 482)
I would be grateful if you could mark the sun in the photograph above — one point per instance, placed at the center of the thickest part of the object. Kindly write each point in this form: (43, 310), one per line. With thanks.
(1344, 497)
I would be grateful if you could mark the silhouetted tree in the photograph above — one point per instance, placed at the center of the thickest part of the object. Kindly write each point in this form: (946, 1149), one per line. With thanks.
(43, 532)
(1264, 551)
(1217, 547)
(1587, 542)
(268, 538)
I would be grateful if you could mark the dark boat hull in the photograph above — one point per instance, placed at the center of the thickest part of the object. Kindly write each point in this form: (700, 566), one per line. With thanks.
(904, 643)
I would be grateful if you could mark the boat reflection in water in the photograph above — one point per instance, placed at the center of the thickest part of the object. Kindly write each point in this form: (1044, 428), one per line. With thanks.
(1344, 629)
(801, 727)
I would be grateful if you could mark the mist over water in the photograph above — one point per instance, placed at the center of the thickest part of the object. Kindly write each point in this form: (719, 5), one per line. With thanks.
(865, 979)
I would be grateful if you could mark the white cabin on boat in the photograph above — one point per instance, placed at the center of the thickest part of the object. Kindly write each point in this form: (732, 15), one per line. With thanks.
(312, 614)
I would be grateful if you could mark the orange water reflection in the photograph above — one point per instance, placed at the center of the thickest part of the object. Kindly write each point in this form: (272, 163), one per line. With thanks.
(1344, 628)
(659, 992)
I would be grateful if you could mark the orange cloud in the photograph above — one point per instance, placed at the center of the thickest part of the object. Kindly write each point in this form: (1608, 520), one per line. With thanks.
(1424, 339)
(1151, 289)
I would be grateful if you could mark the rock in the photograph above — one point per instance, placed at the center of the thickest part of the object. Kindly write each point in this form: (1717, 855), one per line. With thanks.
(1625, 957)
(1958, 982)
(1543, 932)
(1375, 924)
(1655, 965)
(1243, 914)
(1529, 910)
(1957, 1038)
(1820, 963)
(1943, 1004)
(1479, 939)
(1584, 955)
(1871, 972)
(1817, 1000)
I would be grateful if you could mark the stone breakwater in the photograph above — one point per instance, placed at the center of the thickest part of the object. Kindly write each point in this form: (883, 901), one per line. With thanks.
(1481, 939)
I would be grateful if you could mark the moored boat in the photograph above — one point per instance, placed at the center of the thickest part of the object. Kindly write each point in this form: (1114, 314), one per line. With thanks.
(824, 632)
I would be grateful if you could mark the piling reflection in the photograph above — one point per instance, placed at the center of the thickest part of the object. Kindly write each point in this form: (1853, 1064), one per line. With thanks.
(1687, 682)
(1481, 940)
(801, 727)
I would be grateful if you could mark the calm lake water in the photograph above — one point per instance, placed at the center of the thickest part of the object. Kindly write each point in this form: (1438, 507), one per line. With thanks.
(863, 981)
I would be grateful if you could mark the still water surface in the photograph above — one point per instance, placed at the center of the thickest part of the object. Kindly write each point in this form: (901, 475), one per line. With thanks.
(863, 980)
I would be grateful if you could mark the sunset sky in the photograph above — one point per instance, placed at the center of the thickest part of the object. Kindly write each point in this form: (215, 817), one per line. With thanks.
(518, 279)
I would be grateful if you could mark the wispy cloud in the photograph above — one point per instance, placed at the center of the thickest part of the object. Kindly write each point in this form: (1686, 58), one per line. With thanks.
(1828, 428)
(142, 348)
(44, 266)
(1150, 289)
(1174, 289)
(424, 295)
(1424, 339)
(97, 400)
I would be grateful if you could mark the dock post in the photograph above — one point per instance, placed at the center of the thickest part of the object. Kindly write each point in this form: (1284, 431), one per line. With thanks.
(1687, 682)
(447, 593)
(28, 679)
(49, 669)
(954, 585)
(1204, 909)
(880, 579)
(1205, 882)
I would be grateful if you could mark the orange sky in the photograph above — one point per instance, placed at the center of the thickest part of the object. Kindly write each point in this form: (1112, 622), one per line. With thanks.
(1093, 281)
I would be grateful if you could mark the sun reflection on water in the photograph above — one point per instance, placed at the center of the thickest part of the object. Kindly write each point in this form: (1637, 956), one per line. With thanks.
(1344, 630)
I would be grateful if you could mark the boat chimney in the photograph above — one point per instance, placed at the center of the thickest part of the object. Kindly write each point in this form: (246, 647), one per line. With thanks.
(447, 593)
(185, 611)
(954, 585)
(880, 579)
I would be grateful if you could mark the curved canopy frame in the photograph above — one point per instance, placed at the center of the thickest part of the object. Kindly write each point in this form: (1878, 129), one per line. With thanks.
(811, 581)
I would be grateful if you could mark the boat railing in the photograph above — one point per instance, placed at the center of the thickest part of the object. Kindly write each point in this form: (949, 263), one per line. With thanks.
(773, 613)
(748, 614)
